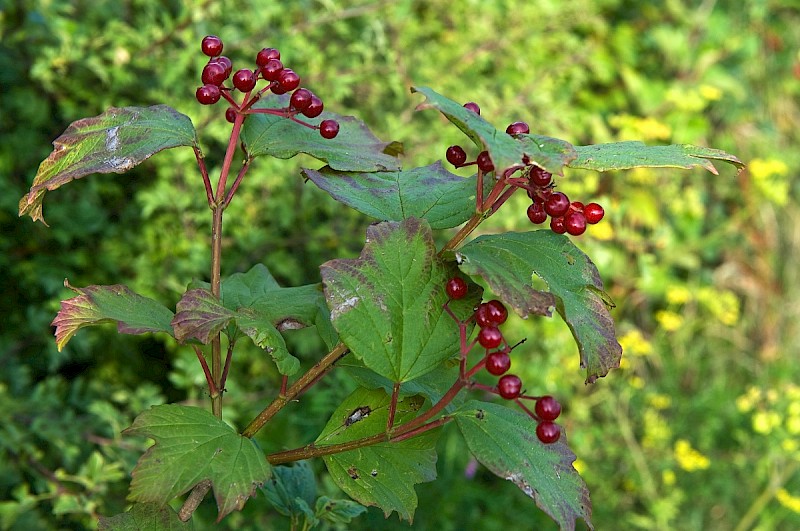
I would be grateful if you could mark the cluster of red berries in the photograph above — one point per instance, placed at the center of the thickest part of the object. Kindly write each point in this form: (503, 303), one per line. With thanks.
(565, 215)
(497, 361)
(280, 80)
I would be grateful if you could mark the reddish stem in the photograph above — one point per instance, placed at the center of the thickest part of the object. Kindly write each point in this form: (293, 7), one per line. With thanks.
(212, 388)
(224, 377)
(201, 163)
(393, 406)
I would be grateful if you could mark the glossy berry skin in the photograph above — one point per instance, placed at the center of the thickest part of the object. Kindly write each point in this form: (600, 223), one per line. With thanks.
(575, 223)
(329, 129)
(557, 204)
(518, 128)
(224, 61)
(547, 408)
(244, 80)
(548, 432)
(485, 163)
(314, 108)
(497, 312)
(536, 213)
(271, 70)
(456, 156)
(230, 115)
(557, 225)
(509, 386)
(540, 177)
(289, 80)
(208, 94)
(472, 106)
(456, 288)
(301, 99)
(265, 55)
(211, 45)
(490, 337)
(498, 363)
(213, 73)
(593, 212)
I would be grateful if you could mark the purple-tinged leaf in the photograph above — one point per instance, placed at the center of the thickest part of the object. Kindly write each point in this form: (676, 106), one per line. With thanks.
(133, 313)
(508, 262)
(113, 142)
(504, 441)
(191, 446)
(200, 315)
(634, 154)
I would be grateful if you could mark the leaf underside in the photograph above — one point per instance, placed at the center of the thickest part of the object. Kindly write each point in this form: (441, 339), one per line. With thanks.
(145, 517)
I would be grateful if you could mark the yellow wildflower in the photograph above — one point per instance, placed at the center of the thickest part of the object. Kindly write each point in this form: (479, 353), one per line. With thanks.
(688, 458)
(789, 501)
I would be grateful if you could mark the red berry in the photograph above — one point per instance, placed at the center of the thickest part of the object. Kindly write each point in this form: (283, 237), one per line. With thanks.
(593, 212)
(213, 73)
(224, 61)
(271, 70)
(509, 386)
(288, 79)
(472, 106)
(265, 55)
(540, 177)
(329, 128)
(536, 213)
(456, 156)
(490, 337)
(548, 432)
(207, 94)
(518, 128)
(276, 88)
(575, 223)
(498, 363)
(244, 80)
(483, 315)
(230, 114)
(557, 204)
(314, 108)
(557, 225)
(497, 312)
(211, 45)
(301, 99)
(485, 163)
(547, 408)
(456, 288)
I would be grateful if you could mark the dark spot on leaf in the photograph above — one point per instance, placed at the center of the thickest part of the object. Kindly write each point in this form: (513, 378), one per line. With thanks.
(353, 472)
(479, 414)
(359, 413)
(374, 473)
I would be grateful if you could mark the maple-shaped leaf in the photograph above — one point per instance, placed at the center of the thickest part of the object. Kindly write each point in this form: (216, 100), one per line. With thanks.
(133, 313)
(191, 446)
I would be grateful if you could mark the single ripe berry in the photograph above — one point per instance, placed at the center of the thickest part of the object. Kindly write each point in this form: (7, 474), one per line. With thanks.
(244, 80)
(213, 73)
(472, 106)
(575, 223)
(230, 114)
(456, 156)
(271, 70)
(518, 128)
(314, 108)
(547, 408)
(329, 128)
(301, 99)
(211, 45)
(548, 432)
(224, 61)
(540, 177)
(490, 337)
(456, 288)
(288, 79)
(265, 55)
(593, 212)
(509, 386)
(498, 363)
(536, 213)
(557, 225)
(557, 204)
(485, 163)
(208, 94)
(497, 311)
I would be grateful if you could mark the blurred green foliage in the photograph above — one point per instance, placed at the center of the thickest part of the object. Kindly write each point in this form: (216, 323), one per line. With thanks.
(700, 428)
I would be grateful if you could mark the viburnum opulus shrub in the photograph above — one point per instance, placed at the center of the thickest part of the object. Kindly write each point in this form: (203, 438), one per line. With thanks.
(418, 327)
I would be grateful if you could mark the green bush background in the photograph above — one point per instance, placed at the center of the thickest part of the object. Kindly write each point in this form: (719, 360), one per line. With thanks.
(699, 429)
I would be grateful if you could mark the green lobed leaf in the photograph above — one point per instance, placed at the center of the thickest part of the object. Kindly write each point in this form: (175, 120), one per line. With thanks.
(200, 315)
(507, 262)
(387, 304)
(634, 154)
(290, 485)
(112, 142)
(442, 198)
(382, 474)
(338, 511)
(355, 148)
(506, 151)
(145, 517)
(504, 441)
(192, 445)
(133, 313)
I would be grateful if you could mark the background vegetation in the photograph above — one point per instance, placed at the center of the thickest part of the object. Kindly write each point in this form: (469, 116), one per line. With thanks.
(700, 428)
